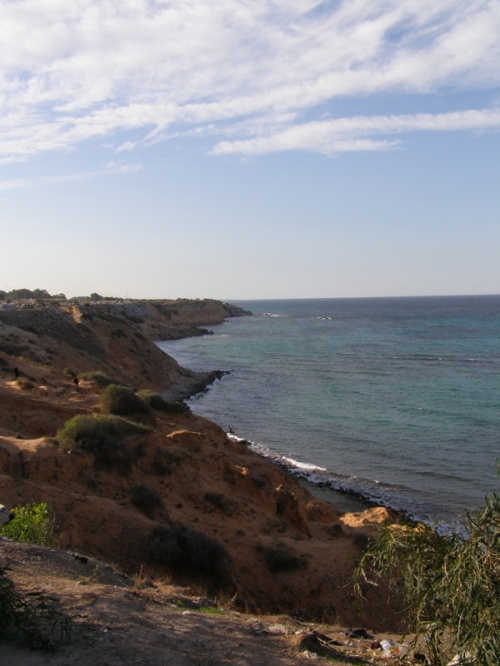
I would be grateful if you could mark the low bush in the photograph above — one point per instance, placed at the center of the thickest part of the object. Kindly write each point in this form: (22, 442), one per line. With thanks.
(336, 530)
(185, 551)
(118, 333)
(451, 584)
(11, 349)
(155, 401)
(146, 499)
(91, 433)
(98, 377)
(281, 505)
(281, 558)
(31, 618)
(362, 541)
(212, 610)
(122, 401)
(134, 318)
(220, 501)
(68, 372)
(32, 524)
(103, 436)
(164, 460)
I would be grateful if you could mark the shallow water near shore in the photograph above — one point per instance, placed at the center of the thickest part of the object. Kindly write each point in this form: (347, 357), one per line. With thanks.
(394, 399)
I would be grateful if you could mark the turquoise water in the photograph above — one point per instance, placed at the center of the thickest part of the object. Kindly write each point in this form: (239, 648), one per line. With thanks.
(396, 399)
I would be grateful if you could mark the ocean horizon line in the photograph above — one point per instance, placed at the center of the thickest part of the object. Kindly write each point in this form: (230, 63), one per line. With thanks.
(357, 298)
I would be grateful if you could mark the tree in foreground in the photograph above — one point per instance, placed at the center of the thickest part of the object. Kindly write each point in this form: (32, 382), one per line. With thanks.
(32, 523)
(450, 584)
(31, 617)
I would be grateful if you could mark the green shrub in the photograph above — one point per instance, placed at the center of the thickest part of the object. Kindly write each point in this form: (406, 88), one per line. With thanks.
(185, 551)
(32, 524)
(103, 436)
(176, 407)
(281, 558)
(120, 400)
(99, 377)
(90, 433)
(146, 499)
(212, 610)
(451, 584)
(155, 401)
(32, 618)
(68, 372)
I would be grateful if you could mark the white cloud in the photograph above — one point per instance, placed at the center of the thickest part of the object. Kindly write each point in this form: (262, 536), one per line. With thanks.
(70, 72)
(110, 169)
(347, 134)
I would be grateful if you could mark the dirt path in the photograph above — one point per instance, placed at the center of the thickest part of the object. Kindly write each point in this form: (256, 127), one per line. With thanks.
(121, 622)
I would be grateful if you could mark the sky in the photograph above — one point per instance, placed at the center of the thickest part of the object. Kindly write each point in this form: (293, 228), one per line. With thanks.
(250, 149)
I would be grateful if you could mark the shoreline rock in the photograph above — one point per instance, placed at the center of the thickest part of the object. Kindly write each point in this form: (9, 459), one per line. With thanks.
(189, 387)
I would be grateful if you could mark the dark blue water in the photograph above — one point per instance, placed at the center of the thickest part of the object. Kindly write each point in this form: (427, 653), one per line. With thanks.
(397, 399)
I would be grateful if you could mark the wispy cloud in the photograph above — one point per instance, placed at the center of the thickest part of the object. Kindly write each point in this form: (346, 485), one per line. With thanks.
(110, 169)
(348, 134)
(72, 72)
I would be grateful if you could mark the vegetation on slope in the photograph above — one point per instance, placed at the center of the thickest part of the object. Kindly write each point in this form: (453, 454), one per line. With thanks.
(103, 436)
(32, 524)
(451, 584)
(122, 401)
(31, 618)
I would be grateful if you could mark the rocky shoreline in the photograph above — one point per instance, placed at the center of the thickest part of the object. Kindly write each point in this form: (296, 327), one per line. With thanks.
(189, 387)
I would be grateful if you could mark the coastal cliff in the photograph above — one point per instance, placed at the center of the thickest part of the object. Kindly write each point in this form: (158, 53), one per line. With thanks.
(213, 514)
(115, 337)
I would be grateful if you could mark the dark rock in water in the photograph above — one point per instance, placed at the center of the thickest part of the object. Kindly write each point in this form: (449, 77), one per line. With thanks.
(206, 382)
(236, 311)
(200, 383)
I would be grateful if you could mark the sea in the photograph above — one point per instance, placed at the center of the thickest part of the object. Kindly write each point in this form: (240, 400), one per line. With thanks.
(387, 401)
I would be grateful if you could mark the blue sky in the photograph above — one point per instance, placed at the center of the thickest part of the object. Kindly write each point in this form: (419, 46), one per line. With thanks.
(250, 148)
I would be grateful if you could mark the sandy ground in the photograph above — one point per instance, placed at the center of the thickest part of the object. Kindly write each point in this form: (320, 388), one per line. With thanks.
(120, 621)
